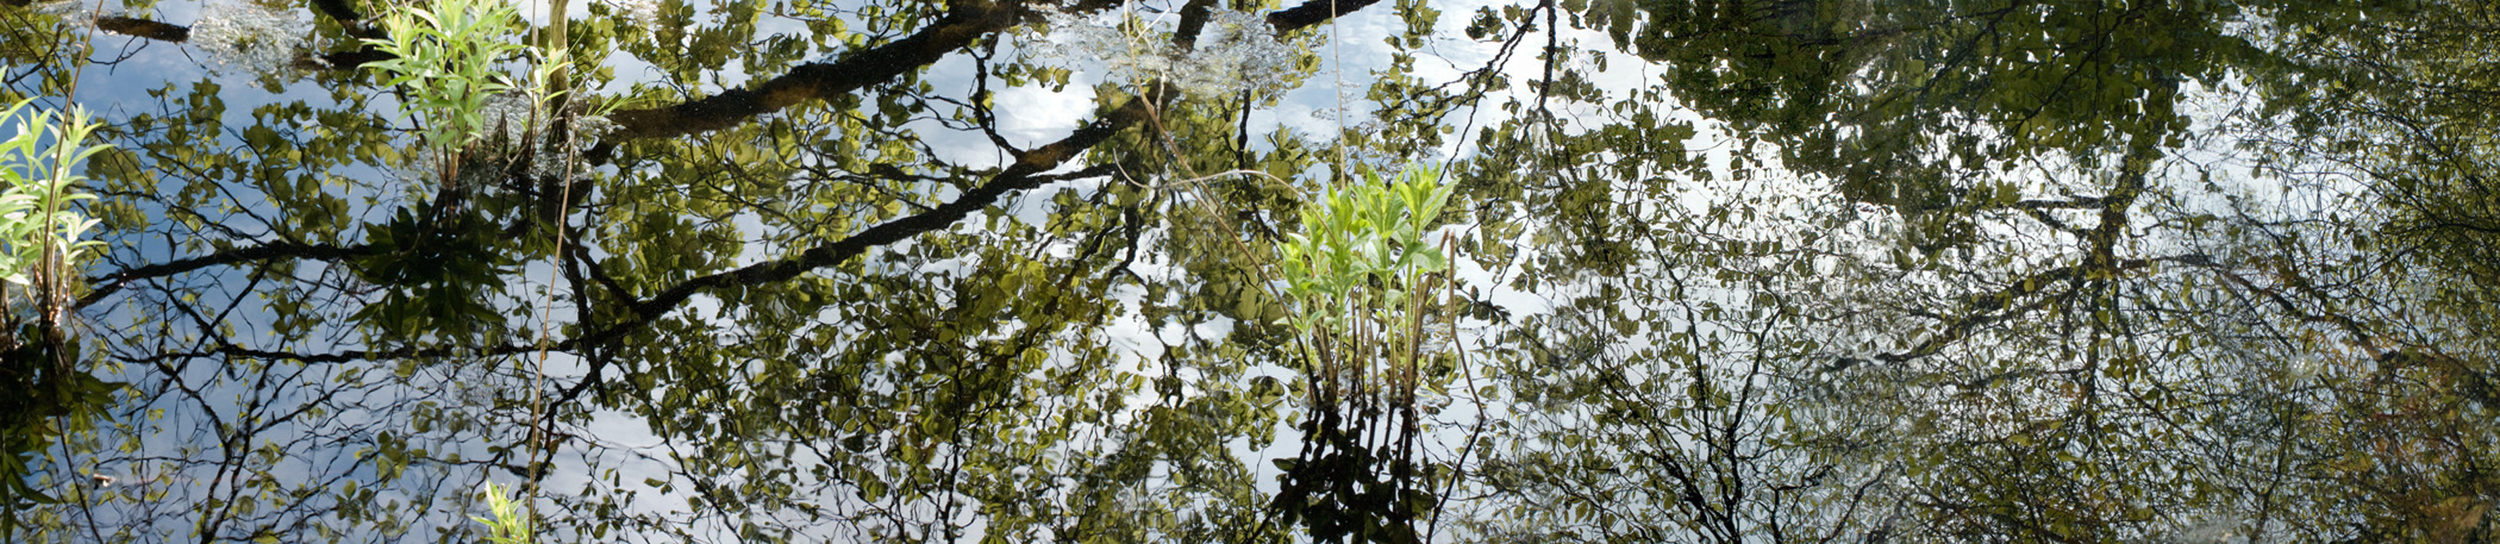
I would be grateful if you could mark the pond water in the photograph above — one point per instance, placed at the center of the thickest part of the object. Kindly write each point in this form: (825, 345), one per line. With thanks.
(854, 270)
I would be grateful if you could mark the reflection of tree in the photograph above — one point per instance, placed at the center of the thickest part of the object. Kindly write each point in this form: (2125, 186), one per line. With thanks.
(2055, 367)
(1954, 274)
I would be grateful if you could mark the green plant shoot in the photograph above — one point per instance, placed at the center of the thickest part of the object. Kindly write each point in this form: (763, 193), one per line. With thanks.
(36, 217)
(1360, 239)
(510, 525)
(447, 57)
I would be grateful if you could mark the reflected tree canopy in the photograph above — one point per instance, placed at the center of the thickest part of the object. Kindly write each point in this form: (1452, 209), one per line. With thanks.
(1251, 271)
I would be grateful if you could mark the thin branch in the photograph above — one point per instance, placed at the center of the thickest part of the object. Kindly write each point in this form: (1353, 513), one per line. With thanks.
(107, 284)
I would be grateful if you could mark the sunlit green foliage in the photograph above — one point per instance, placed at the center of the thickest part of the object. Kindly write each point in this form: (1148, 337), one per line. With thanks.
(449, 56)
(509, 524)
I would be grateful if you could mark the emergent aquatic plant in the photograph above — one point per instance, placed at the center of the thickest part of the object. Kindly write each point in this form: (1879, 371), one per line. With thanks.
(448, 58)
(1359, 282)
(510, 525)
(42, 243)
